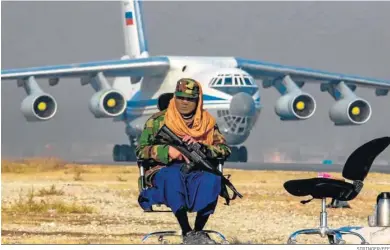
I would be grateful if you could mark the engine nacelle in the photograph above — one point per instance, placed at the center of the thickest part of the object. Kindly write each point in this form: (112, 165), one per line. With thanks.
(350, 112)
(107, 103)
(295, 106)
(39, 107)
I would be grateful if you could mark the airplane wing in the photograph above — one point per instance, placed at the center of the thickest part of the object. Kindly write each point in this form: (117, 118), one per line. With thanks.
(271, 71)
(150, 66)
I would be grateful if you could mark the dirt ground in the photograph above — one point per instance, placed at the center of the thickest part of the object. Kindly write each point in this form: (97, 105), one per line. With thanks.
(49, 201)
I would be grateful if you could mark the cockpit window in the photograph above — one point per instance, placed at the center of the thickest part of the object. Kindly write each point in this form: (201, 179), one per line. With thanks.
(247, 81)
(240, 81)
(228, 81)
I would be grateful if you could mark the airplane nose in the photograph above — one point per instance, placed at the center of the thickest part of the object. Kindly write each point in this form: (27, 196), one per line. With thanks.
(242, 104)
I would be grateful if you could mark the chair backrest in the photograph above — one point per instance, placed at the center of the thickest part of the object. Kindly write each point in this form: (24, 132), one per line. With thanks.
(359, 162)
(163, 101)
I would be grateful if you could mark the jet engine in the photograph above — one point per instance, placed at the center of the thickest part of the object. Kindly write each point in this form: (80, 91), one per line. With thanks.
(107, 103)
(295, 106)
(349, 109)
(39, 107)
(350, 112)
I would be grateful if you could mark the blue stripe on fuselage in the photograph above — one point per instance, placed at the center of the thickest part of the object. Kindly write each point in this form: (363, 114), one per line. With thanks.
(232, 90)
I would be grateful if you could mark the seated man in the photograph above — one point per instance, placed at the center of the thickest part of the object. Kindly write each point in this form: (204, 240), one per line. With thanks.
(196, 191)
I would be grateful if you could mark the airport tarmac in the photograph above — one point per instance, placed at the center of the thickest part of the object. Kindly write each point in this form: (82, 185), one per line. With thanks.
(268, 166)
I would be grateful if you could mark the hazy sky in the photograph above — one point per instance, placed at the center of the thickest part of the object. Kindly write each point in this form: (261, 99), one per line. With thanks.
(346, 37)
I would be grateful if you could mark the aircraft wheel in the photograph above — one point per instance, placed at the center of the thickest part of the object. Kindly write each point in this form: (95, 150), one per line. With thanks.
(123, 152)
(126, 149)
(235, 155)
(243, 154)
(131, 154)
(115, 152)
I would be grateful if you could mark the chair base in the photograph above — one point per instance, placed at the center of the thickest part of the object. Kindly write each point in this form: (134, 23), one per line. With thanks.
(334, 235)
(162, 234)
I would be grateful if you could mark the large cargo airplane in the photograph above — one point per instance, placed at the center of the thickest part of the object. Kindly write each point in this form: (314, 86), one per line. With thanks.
(230, 91)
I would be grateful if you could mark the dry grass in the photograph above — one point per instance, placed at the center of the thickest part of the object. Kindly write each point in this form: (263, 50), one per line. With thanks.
(52, 191)
(32, 165)
(29, 204)
(120, 178)
(266, 215)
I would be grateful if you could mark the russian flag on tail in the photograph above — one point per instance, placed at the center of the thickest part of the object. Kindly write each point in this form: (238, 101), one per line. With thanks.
(129, 18)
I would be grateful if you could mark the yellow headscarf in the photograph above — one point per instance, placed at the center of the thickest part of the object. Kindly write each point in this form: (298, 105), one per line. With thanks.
(203, 124)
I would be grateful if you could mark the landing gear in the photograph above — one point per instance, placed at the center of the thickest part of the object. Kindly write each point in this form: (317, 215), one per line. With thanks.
(126, 152)
(243, 153)
(123, 153)
(239, 154)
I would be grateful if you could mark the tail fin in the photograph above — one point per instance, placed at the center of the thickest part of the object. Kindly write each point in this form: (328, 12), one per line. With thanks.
(133, 29)
(135, 44)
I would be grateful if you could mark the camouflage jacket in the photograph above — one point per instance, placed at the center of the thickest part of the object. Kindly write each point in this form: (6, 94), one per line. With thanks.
(148, 149)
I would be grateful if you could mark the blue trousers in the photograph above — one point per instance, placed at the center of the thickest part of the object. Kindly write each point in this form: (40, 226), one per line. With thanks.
(196, 192)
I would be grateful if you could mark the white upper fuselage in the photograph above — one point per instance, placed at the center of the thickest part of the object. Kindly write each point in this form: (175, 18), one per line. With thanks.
(220, 80)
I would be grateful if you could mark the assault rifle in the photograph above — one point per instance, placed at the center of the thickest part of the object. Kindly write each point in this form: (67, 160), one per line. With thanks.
(196, 153)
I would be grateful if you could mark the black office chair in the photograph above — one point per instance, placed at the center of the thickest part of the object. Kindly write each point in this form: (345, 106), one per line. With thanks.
(143, 165)
(355, 171)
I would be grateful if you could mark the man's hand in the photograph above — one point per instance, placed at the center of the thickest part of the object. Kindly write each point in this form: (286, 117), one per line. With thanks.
(189, 139)
(175, 154)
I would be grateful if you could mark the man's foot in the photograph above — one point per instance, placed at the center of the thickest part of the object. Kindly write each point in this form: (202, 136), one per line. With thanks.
(190, 238)
(204, 238)
(197, 238)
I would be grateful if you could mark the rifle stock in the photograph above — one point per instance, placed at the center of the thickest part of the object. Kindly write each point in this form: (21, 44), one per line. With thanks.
(194, 153)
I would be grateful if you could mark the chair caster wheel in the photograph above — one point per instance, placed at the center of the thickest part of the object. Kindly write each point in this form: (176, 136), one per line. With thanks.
(162, 240)
(338, 242)
(341, 242)
(333, 240)
(291, 242)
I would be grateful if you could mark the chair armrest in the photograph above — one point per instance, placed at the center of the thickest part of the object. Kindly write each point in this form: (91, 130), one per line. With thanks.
(141, 179)
(140, 162)
(141, 167)
(221, 162)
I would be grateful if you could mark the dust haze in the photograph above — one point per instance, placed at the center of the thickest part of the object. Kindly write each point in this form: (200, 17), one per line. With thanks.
(345, 37)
